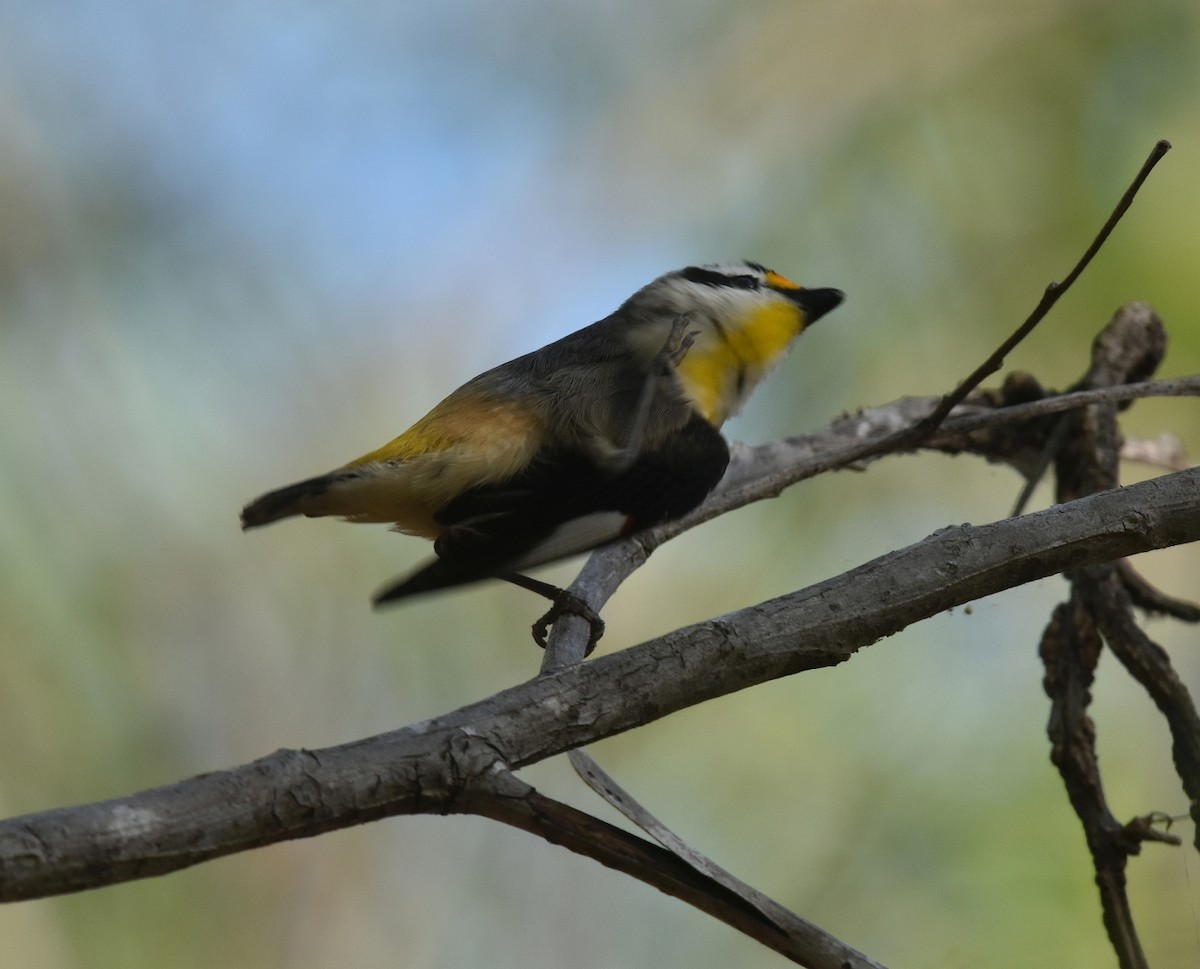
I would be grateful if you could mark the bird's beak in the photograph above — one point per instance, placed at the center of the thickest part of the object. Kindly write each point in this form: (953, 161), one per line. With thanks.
(816, 302)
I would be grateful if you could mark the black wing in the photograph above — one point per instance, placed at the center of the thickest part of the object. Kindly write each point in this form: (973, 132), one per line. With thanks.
(563, 504)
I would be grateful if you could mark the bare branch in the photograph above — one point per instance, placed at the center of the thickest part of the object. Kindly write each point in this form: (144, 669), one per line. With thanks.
(813, 946)
(504, 797)
(519, 805)
(1154, 601)
(1084, 448)
(1165, 452)
(858, 439)
(765, 470)
(1070, 649)
(432, 767)
(1049, 297)
(1150, 666)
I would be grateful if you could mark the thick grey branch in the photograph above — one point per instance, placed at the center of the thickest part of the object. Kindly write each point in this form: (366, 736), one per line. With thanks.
(436, 766)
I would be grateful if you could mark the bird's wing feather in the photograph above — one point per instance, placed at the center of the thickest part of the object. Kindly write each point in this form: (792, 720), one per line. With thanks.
(562, 504)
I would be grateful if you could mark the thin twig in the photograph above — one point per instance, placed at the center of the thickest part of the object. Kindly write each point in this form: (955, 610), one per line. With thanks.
(502, 796)
(1149, 664)
(1164, 452)
(1056, 404)
(832, 456)
(1053, 443)
(1051, 296)
(811, 945)
(1154, 601)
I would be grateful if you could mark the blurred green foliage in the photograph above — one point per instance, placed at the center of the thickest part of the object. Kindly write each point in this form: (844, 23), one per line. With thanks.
(242, 243)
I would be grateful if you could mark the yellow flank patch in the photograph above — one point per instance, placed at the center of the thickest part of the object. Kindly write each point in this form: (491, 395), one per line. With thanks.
(720, 373)
(466, 440)
(457, 420)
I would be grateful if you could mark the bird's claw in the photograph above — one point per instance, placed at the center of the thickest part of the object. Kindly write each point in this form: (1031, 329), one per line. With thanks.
(568, 604)
(678, 341)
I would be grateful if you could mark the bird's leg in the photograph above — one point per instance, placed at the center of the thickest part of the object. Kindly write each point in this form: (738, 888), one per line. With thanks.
(565, 604)
(679, 341)
(677, 344)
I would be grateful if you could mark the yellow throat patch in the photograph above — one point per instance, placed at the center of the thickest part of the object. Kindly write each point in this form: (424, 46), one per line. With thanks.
(720, 375)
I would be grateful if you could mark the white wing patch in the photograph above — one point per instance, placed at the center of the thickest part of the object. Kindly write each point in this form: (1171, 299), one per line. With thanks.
(572, 537)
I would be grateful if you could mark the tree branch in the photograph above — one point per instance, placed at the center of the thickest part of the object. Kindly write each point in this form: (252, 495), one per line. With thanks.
(1084, 448)
(714, 892)
(765, 470)
(435, 766)
(1051, 295)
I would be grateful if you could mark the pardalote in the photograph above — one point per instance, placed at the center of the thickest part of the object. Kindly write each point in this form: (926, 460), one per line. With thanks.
(606, 432)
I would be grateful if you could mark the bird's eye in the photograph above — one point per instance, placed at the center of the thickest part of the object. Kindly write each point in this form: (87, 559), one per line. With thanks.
(742, 282)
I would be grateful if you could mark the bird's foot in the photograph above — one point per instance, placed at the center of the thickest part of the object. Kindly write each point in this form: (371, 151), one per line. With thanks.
(568, 604)
(679, 341)
(565, 604)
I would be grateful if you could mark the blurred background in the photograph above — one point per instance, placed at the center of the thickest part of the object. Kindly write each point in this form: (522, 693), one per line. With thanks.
(243, 242)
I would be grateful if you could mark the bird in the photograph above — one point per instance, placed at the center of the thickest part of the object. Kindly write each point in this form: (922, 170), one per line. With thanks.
(602, 434)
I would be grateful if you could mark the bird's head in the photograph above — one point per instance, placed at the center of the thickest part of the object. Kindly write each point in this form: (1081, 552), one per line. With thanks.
(744, 317)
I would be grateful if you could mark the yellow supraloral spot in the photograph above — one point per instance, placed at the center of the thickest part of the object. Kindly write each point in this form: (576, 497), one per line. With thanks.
(780, 282)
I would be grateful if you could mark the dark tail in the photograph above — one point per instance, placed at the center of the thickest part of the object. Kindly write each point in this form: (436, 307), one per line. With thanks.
(284, 502)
